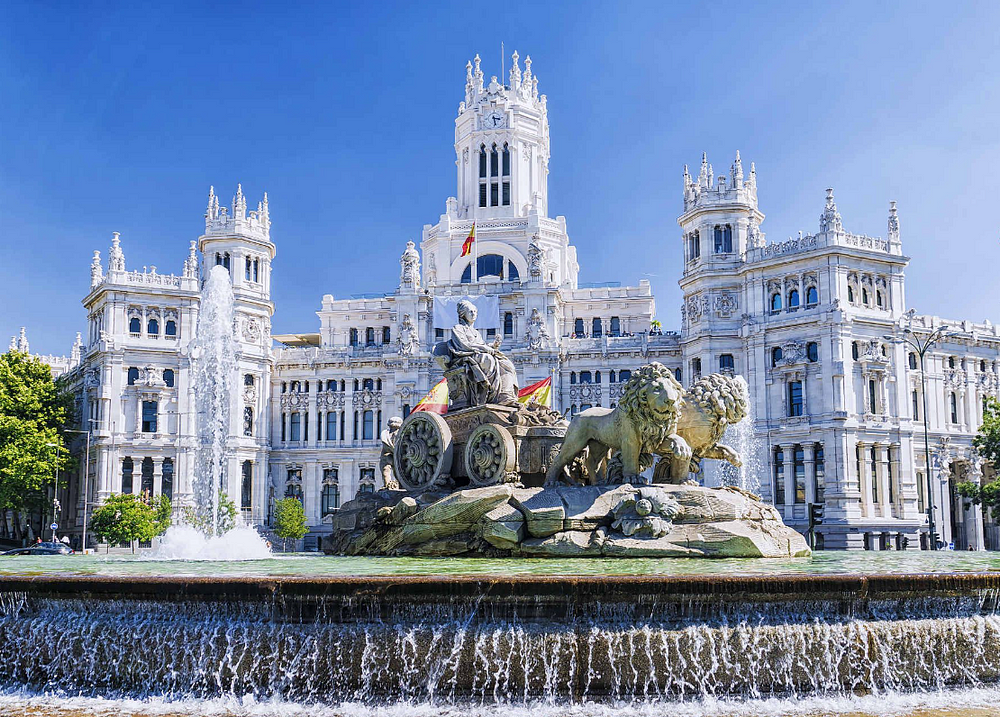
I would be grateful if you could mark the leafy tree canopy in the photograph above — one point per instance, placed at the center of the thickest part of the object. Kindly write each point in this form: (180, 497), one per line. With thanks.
(33, 410)
(987, 443)
(202, 519)
(289, 519)
(124, 518)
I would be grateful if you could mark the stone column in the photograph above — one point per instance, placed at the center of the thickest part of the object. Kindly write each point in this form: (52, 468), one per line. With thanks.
(810, 459)
(157, 476)
(882, 474)
(864, 481)
(788, 454)
(974, 513)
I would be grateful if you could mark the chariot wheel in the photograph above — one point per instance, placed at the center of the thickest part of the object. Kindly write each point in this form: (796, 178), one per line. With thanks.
(423, 451)
(489, 455)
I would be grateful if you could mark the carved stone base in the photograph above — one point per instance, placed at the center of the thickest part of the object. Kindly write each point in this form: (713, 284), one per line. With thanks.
(565, 521)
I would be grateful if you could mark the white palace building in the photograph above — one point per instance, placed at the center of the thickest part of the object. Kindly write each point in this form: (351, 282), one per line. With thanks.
(837, 407)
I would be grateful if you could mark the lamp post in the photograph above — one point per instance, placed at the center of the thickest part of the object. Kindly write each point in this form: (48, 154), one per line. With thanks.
(86, 481)
(921, 347)
(55, 490)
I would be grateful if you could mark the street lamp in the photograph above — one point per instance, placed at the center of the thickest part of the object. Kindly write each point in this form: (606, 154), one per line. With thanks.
(921, 347)
(86, 480)
(55, 491)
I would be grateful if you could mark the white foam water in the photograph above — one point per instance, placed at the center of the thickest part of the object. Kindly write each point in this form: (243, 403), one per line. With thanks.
(183, 542)
(743, 437)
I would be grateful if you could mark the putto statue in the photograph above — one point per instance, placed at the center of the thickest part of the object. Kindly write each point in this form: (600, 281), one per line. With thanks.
(388, 438)
(711, 405)
(478, 373)
(644, 422)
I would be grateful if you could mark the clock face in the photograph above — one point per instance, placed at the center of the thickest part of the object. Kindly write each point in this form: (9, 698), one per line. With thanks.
(493, 120)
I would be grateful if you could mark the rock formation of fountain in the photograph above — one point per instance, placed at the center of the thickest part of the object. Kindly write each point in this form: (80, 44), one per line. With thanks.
(213, 359)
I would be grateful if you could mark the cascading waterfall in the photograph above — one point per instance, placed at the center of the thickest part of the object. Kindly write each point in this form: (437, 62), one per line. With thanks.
(743, 437)
(329, 652)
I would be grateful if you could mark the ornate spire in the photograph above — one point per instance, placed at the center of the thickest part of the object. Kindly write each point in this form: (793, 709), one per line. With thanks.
(515, 73)
(191, 263)
(213, 205)
(478, 75)
(116, 257)
(265, 214)
(687, 178)
(738, 171)
(96, 272)
(239, 204)
(829, 220)
(527, 68)
(893, 222)
(77, 349)
(703, 172)
(711, 175)
(22, 342)
(13, 344)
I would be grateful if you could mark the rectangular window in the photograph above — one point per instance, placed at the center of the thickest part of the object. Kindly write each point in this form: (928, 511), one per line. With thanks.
(482, 194)
(319, 425)
(872, 403)
(800, 475)
(296, 427)
(916, 406)
(921, 488)
(438, 334)
(494, 194)
(506, 194)
(368, 433)
(874, 463)
(283, 422)
(149, 416)
(331, 426)
(794, 398)
(305, 426)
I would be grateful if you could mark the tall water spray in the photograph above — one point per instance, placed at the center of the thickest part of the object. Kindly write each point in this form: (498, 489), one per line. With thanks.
(743, 437)
(214, 361)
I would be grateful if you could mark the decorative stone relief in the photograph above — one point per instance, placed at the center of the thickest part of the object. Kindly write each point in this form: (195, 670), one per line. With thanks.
(536, 259)
(537, 335)
(409, 263)
(725, 304)
(407, 340)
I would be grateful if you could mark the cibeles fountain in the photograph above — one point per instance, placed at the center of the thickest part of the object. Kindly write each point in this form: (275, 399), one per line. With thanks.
(494, 477)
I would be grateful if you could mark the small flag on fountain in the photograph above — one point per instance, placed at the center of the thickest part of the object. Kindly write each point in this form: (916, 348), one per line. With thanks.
(436, 400)
(540, 392)
(467, 244)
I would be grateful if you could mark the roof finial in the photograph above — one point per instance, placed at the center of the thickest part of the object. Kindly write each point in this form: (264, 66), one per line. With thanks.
(116, 257)
(829, 220)
(515, 73)
(22, 342)
(738, 171)
(96, 272)
(893, 222)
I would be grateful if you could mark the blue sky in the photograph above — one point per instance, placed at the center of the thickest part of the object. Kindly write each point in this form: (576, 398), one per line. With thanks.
(118, 118)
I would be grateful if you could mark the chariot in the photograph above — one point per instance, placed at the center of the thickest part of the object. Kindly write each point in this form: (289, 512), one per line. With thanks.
(479, 446)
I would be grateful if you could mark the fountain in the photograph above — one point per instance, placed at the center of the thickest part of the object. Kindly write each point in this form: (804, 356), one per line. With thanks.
(202, 533)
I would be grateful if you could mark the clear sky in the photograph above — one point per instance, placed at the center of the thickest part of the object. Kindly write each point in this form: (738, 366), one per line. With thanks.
(118, 118)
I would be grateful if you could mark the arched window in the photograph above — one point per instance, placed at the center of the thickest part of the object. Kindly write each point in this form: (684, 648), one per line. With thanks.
(597, 376)
(494, 173)
(596, 327)
(812, 296)
(726, 362)
(482, 175)
(696, 366)
(776, 354)
(585, 377)
(135, 325)
(167, 481)
(982, 366)
(578, 328)
(168, 377)
(864, 297)
(953, 400)
(854, 350)
(885, 353)
(353, 337)
(369, 336)
(378, 384)
(170, 328)
(368, 425)
(248, 421)
(616, 326)
(878, 300)
(512, 272)
(812, 351)
(368, 384)
(490, 265)
(153, 327)
(330, 500)
(913, 361)
(133, 375)
(357, 386)
(572, 378)
(128, 467)
(249, 269)
(775, 302)
(246, 489)
(612, 377)
(494, 162)
(951, 362)
(850, 293)
(625, 375)
(678, 374)
(225, 261)
(793, 299)
(386, 335)
(508, 323)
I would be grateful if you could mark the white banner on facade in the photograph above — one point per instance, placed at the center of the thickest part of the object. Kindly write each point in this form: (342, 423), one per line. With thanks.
(487, 316)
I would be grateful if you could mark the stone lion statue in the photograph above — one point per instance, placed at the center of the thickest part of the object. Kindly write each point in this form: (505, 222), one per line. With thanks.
(644, 422)
(711, 405)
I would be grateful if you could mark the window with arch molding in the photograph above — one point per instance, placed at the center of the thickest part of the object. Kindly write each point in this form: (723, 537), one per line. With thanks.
(879, 300)
(616, 326)
(678, 374)
(951, 362)
(578, 328)
(586, 377)
(168, 377)
(483, 190)
(508, 323)
(850, 293)
(153, 327)
(775, 302)
(491, 265)
(812, 351)
(133, 375)
(135, 325)
(793, 299)
(776, 355)
(597, 376)
(864, 297)
(572, 378)
(597, 327)
(170, 328)
(812, 296)
(953, 400)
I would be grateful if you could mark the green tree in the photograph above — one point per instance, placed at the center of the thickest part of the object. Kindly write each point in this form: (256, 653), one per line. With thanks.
(124, 518)
(289, 520)
(162, 514)
(33, 411)
(202, 520)
(987, 443)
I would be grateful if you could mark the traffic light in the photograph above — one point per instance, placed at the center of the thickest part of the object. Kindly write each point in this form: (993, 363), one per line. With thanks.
(815, 518)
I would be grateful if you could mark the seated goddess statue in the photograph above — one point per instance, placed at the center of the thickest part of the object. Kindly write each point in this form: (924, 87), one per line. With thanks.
(477, 372)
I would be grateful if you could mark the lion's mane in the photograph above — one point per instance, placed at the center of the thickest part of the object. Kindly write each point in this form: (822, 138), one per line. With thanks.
(725, 398)
(653, 428)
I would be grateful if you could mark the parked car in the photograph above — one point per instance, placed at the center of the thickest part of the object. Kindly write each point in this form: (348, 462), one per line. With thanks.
(42, 549)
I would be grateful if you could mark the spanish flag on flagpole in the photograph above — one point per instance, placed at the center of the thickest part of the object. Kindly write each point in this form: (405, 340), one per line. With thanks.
(469, 241)
(540, 392)
(436, 400)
